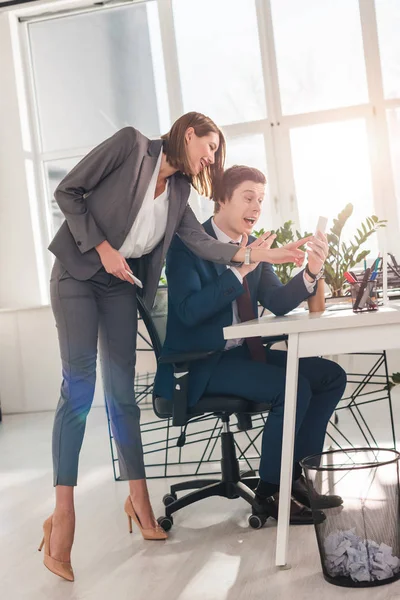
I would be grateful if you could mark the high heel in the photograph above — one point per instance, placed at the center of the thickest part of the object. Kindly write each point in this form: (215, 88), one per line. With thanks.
(62, 569)
(153, 533)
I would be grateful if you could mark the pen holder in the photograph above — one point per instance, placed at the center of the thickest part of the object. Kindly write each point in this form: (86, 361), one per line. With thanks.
(364, 297)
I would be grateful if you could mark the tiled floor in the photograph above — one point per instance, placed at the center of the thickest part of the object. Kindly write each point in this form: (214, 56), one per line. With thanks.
(211, 553)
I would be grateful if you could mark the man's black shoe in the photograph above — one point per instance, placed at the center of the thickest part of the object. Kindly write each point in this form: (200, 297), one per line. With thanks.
(299, 514)
(301, 494)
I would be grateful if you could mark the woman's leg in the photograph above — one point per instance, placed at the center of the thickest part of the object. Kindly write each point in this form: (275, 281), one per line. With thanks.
(75, 310)
(118, 329)
(63, 524)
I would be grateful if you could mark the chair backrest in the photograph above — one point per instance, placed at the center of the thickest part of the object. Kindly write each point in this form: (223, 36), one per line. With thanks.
(155, 320)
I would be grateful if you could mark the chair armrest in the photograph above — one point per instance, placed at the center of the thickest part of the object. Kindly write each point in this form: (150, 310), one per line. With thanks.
(185, 357)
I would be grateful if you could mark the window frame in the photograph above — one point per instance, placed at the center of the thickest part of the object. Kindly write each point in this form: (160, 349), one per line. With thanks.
(275, 128)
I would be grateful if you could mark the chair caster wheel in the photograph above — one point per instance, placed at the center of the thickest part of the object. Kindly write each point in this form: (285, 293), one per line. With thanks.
(165, 522)
(256, 521)
(169, 499)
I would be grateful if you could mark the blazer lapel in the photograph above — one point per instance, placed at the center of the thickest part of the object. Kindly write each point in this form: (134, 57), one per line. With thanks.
(208, 228)
(148, 164)
(174, 211)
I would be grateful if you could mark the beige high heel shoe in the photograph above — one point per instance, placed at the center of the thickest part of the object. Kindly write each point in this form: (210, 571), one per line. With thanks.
(156, 533)
(62, 569)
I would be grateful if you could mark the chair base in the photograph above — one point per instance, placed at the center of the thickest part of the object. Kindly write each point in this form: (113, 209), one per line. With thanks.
(226, 489)
(233, 484)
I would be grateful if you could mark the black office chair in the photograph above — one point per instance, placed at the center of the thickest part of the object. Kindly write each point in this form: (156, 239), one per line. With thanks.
(232, 484)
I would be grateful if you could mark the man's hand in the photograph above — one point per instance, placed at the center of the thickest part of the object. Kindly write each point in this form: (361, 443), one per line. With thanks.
(113, 262)
(317, 251)
(264, 241)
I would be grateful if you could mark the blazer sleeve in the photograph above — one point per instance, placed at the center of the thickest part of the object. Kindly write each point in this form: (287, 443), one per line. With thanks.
(193, 301)
(83, 178)
(279, 298)
(203, 245)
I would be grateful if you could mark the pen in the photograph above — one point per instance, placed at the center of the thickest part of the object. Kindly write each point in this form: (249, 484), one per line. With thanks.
(349, 277)
(375, 271)
(361, 291)
(353, 275)
(376, 263)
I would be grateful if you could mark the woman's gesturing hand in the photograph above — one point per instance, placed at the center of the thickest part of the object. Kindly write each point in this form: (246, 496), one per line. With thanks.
(284, 254)
(264, 241)
(113, 262)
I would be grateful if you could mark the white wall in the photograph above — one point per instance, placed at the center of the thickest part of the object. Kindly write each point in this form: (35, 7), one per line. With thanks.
(19, 284)
(30, 367)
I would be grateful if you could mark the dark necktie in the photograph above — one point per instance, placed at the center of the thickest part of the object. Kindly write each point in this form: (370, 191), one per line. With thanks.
(246, 313)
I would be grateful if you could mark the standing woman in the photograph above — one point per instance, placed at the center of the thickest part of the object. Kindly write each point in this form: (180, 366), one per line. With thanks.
(122, 203)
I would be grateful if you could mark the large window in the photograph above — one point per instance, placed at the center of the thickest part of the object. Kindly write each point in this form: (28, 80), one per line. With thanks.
(332, 168)
(307, 91)
(388, 17)
(319, 54)
(95, 73)
(393, 118)
(219, 59)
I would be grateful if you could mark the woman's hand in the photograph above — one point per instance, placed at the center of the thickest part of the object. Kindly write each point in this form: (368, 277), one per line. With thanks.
(264, 241)
(283, 254)
(113, 262)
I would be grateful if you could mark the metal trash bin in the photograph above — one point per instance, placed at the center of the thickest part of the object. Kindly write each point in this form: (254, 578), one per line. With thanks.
(359, 542)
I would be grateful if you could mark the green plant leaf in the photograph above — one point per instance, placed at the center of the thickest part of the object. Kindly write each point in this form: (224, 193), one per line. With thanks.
(258, 233)
(341, 220)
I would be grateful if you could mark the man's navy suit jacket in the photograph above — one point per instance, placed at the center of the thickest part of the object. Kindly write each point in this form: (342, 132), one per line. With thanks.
(200, 296)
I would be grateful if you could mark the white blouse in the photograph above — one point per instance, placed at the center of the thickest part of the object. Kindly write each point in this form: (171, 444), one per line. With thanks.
(151, 222)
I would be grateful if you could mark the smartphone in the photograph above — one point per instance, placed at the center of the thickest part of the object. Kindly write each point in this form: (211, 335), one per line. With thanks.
(321, 225)
(135, 279)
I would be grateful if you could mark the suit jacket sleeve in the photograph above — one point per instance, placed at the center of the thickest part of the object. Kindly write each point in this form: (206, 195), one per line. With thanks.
(203, 245)
(279, 298)
(194, 302)
(83, 178)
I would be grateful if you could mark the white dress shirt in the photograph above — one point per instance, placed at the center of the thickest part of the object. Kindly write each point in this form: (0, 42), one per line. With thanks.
(151, 222)
(222, 237)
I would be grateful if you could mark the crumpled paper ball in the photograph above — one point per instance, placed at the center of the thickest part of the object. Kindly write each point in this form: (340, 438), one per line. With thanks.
(348, 555)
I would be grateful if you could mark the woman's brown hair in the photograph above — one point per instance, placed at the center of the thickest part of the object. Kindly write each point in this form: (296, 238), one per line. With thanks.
(175, 149)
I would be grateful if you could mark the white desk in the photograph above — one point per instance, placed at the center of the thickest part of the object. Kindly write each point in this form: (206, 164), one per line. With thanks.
(311, 335)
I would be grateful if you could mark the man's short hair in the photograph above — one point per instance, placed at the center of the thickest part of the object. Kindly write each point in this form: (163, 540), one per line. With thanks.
(232, 178)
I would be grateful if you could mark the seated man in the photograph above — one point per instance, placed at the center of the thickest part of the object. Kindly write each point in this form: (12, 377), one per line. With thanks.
(205, 297)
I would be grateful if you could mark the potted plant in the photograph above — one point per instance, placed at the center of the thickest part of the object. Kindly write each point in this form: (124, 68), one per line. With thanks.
(344, 256)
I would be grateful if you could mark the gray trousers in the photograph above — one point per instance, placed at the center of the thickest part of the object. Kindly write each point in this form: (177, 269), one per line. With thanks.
(100, 311)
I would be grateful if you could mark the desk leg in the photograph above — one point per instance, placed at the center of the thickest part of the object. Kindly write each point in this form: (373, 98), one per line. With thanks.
(289, 423)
